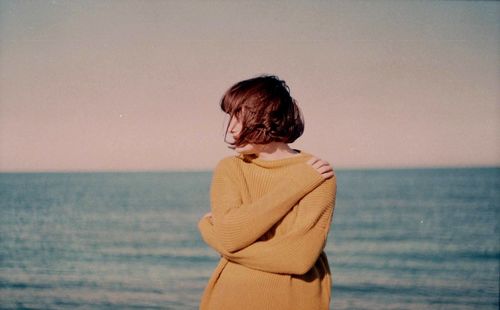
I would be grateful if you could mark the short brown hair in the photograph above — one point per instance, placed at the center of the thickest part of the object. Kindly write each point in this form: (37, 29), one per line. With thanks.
(266, 110)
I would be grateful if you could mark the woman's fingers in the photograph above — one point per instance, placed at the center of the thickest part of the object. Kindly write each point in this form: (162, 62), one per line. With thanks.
(317, 163)
(312, 160)
(328, 174)
(323, 167)
(210, 217)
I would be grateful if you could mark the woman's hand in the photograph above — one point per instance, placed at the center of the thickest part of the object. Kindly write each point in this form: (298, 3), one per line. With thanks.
(321, 166)
(210, 217)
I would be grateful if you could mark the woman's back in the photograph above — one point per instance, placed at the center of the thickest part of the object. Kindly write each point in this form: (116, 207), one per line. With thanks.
(272, 247)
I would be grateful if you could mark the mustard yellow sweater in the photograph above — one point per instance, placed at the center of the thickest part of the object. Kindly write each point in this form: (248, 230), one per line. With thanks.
(270, 222)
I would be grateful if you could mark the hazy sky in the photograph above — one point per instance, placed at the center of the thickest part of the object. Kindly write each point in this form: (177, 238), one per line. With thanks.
(135, 85)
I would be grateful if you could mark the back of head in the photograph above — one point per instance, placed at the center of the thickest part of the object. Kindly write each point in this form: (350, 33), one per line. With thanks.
(266, 109)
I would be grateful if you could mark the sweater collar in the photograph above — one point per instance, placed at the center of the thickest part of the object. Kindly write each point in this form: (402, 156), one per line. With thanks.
(273, 163)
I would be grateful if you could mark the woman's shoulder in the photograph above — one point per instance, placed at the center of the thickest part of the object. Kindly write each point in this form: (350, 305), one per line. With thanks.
(330, 182)
(227, 163)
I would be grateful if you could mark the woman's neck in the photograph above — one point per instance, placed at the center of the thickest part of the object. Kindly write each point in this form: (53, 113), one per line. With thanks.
(275, 150)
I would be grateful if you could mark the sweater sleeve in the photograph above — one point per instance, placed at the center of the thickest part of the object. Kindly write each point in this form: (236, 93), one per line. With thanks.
(296, 251)
(238, 224)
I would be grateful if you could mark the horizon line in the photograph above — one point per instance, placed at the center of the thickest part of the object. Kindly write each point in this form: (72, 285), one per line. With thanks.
(211, 169)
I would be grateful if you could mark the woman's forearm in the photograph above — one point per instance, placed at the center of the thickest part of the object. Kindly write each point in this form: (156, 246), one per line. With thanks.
(238, 224)
(292, 253)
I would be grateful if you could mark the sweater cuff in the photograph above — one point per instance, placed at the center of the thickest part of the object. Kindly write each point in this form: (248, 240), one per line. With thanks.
(204, 224)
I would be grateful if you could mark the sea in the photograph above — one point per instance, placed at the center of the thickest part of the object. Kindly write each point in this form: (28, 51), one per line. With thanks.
(400, 239)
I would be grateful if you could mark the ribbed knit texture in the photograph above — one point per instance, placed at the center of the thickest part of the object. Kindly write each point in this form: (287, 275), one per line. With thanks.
(270, 222)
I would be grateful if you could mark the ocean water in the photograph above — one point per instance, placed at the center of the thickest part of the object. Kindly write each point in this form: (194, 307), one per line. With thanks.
(400, 239)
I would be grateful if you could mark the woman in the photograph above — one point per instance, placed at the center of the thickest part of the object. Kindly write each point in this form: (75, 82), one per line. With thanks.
(271, 205)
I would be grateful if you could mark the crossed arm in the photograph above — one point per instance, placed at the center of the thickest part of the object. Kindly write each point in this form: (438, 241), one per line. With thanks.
(296, 251)
(240, 224)
(237, 227)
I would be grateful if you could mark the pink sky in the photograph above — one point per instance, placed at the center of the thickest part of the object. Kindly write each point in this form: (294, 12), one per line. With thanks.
(135, 85)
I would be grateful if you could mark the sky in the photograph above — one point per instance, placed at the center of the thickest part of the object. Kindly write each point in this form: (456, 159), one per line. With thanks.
(136, 85)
